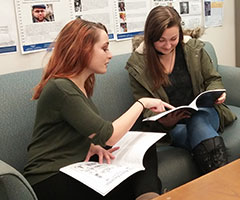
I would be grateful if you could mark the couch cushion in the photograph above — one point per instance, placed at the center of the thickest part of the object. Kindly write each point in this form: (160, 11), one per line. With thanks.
(231, 136)
(13, 185)
(17, 115)
(175, 166)
(231, 80)
(211, 52)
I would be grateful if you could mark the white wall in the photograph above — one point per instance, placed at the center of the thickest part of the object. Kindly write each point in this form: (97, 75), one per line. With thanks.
(223, 39)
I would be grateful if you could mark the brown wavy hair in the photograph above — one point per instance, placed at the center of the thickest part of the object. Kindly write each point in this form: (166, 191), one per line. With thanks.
(71, 53)
(159, 19)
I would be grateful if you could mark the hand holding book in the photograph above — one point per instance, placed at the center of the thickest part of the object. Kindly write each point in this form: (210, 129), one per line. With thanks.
(221, 99)
(205, 99)
(174, 117)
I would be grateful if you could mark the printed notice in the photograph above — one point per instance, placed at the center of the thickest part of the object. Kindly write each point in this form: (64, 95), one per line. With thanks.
(96, 11)
(8, 30)
(190, 11)
(213, 11)
(39, 22)
(130, 17)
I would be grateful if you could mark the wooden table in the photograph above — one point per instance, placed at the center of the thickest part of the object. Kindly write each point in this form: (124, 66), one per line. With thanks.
(221, 184)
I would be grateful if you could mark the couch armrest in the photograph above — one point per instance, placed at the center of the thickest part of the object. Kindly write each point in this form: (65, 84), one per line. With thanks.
(231, 80)
(13, 184)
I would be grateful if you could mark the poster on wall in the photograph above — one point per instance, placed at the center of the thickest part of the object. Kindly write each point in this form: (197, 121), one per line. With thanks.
(164, 3)
(191, 13)
(213, 12)
(96, 11)
(130, 17)
(8, 30)
(189, 10)
(39, 22)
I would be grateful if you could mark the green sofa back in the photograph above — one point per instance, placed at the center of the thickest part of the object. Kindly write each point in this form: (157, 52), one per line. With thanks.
(112, 96)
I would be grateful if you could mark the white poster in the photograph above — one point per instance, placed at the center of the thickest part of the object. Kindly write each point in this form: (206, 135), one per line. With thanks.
(96, 11)
(130, 17)
(191, 13)
(164, 3)
(189, 10)
(39, 22)
(8, 30)
(213, 12)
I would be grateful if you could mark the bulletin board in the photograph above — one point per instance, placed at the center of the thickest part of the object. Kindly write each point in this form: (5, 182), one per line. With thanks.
(123, 19)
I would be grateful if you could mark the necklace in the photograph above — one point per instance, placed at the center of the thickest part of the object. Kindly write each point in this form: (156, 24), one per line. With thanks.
(168, 63)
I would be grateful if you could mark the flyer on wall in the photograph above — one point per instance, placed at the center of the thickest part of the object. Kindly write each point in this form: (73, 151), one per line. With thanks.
(39, 22)
(190, 11)
(213, 12)
(8, 30)
(172, 3)
(130, 17)
(96, 11)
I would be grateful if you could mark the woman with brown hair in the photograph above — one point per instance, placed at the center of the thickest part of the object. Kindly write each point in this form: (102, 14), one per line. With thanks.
(166, 67)
(68, 128)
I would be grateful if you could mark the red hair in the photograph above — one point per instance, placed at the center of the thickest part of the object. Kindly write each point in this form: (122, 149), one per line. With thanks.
(72, 53)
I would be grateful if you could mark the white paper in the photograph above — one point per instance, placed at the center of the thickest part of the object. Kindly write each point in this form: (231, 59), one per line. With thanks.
(128, 160)
(213, 11)
(38, 36)
(204, 99)
(164, 3)
(96, 11)
(130, 20)
(8, 30)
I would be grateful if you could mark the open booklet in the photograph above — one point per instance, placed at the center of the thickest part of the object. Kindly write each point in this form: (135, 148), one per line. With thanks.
(204, 99)
(128, 160)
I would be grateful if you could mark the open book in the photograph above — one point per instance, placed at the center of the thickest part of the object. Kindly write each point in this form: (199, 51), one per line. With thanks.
(204, 99)
(128, 160)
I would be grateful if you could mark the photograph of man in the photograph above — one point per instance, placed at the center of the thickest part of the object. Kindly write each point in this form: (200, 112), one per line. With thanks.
(39, 13)
(77, 5)
(184, 7)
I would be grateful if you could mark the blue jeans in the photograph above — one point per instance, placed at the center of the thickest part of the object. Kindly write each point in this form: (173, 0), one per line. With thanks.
(201, 126)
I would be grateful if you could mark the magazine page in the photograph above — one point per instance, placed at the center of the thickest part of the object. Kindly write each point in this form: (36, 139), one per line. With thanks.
(208, 98)
(134, 143)
(204, 99)
(190, 108)
(100, 177)
(128, 160)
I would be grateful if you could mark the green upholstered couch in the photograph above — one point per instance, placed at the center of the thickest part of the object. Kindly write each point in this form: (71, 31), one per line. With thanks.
(113, 96)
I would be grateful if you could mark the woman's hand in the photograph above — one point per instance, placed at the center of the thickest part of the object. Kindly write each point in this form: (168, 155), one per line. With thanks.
(155, 105)
(101, 152)
(172, 118)
(221, 99)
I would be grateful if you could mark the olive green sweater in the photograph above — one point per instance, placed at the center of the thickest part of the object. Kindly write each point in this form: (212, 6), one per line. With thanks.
(200, 67)
(65, 118)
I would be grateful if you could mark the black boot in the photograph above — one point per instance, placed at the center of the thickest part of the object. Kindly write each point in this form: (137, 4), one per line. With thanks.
(210, 154)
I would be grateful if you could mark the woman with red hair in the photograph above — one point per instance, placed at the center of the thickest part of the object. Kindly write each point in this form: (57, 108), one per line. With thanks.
(68, 128)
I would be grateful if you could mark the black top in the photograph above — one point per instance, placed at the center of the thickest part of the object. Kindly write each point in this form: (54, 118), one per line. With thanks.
(180, 92)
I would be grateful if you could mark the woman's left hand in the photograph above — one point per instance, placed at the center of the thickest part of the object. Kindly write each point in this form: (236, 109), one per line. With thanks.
(221, 99)
(101, 152)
